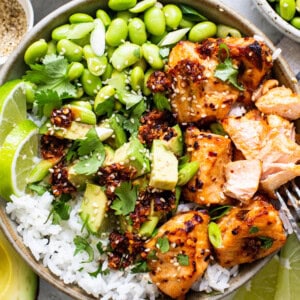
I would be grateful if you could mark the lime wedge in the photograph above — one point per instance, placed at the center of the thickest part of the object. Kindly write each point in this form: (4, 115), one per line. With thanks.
(288, 284)
(12, 106)
(262, 286)
(17, 158)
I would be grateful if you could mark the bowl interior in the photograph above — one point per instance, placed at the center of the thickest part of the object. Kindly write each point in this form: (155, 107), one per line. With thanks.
(15, 67)
(27, 6)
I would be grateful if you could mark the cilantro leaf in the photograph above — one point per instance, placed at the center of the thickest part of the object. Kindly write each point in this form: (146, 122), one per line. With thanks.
(37, 188)
(99, 271)
(266, 241)
(60, 211)
(254, 229)
(163, 244)
(89, 143)
(226, 71)
(82, 245)
(127, 195)
(161, 102)
(183, 259)
(140, 267)
(132, 123)
(51, 75)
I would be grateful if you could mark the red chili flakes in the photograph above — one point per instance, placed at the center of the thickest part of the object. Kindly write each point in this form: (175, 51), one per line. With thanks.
(62, 117)
(52, 147)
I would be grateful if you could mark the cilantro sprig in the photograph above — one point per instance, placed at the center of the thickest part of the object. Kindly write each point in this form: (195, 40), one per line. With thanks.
(163, 244)
(225, 70)
(82, 245)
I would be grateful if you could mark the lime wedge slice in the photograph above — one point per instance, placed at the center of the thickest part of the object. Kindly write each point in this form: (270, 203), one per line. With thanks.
(288, 286)
(12, 106)
(17, 158)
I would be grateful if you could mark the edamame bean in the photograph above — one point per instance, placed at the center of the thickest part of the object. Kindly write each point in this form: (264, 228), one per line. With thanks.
(173, 15)
(75, 70)
(118, 80)
(96, 64)
(141, 63)
(146, 90)
(137, 31)
(202, 31)
(125, 55)
(118, 5)
(107, 73)
(224, 31)
(125, 15)
(70, 50)
(104, 17)
(29, 92)
(155, 21)
(51, 47)
(186, 23)
(296, 22)
(287, 9)
(104, 101)
(60, 32)
(35, 52)
(116, 32)
(80, 18)
(91, 84)
(137, 78)
(152, 56)
(82, 103)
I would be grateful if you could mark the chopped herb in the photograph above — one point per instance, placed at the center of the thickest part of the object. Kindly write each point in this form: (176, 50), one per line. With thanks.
(140, 267)
(219, 212)
(183, 259)
(217, 128)
(161, 102)
(253, 229)
(214, 234)
(163, 244)
(267, 242)
(60, 211)
(152, 255)
(127, 195)
(191, 14)
(82, 245)
(226, 71)
(99, 271)
(37, 188)
(132, 123)
(100, 248)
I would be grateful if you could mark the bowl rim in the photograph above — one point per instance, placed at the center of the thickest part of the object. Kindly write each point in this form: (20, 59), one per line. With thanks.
(281, 68)
(277, 21)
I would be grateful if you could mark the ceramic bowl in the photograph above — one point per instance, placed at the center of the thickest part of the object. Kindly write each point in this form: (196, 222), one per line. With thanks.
(15, 67)
(274, 19)
(27, 7)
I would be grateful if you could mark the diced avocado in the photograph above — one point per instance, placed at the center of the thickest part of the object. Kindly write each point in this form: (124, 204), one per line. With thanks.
(175, 144)
(93, 207)
(135, 155)
(148, 227)
(82, 114)
(17, 280)
(109, 155)
(77, 131)
(78, 180)
(41, 170)
(164, 167)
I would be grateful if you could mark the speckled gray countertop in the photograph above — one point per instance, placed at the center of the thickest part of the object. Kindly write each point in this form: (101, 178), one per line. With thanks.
(290, 51)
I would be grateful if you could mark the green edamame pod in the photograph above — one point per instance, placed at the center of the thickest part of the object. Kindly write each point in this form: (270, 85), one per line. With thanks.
(202, 30)
(117, 32)
(142, 6)
(35, 52)
(125, 55)
(137, 31)
(104, 17)
(225, 31)
(137, 78)
(75, 70)
(80, 18)
(60, 32)
(155, 21)
(118, 5)
(91, 84)
(152, 56)
(173, 15)
(70, 50)
(141, 63)
(287, 9)
(104, 101)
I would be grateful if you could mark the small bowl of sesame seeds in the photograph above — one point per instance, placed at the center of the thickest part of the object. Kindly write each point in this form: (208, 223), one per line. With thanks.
(16, 18)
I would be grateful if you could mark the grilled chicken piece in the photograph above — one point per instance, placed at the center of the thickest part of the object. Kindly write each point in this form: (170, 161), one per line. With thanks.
(242, 179)
(213, 152)
(282, 125)
(175, 267)
(280, 101)
(195, 93)
(249, 233)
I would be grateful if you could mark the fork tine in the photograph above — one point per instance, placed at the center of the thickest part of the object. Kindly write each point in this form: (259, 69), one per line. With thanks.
(291, 219)
(293, 200)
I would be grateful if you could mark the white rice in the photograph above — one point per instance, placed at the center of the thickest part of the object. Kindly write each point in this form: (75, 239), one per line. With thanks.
(53, 245)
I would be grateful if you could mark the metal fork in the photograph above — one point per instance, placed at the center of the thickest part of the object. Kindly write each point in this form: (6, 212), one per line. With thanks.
(289, 198)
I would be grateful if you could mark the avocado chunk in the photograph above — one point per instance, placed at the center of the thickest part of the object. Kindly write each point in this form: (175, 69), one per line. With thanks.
(109, 155)
(164, 167)
(133, 154)
(175, 144)
(78, 180)
(17, 280)
(93, 207)
(148, 227)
